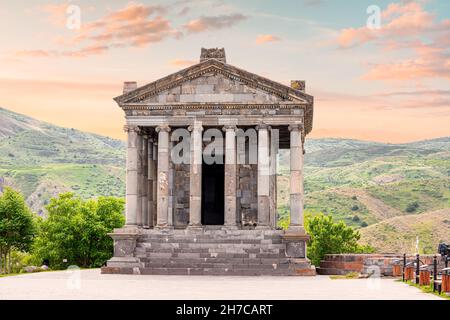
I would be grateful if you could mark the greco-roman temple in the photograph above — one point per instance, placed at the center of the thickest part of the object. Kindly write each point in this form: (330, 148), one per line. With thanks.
(201, 175)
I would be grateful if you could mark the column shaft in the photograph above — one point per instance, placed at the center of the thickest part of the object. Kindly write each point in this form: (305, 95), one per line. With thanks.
(131, 199)
(163, 176)
(155, 182)
(140, 173)
(274, 146)
(230, 176)
(296, 180)
(263, 176)
(151, 177)
(195, 184)
(144, 181)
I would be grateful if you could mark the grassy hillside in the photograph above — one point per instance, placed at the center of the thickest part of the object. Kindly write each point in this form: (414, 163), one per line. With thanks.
(42, 160)
(371, 186)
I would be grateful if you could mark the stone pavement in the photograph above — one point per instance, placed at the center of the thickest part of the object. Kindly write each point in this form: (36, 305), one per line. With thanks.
(90, 284)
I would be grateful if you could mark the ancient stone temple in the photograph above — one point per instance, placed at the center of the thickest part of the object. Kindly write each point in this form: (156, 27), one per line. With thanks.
(201, 178)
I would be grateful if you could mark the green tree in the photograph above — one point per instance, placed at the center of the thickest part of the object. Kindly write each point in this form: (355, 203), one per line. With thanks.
(328, 237)
(77, 229)
(17, 228)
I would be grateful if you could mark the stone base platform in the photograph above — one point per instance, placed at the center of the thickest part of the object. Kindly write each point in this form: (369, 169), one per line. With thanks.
(209, 251)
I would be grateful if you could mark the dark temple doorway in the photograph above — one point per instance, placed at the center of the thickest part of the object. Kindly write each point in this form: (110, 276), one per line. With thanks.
(213, 194)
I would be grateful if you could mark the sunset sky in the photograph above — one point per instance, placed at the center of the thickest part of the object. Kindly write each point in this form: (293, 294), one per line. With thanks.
(390, 84)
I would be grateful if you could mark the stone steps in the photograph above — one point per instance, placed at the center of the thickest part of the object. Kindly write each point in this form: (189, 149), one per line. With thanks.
(219, 252)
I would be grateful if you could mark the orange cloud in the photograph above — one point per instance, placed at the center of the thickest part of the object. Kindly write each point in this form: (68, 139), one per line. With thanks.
(32, 53)
(205, 23)
(264, 38)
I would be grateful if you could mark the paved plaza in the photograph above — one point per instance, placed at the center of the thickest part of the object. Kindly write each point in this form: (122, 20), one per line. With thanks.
(90, 284)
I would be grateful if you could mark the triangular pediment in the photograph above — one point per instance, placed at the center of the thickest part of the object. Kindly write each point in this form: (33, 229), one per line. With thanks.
(214, 81)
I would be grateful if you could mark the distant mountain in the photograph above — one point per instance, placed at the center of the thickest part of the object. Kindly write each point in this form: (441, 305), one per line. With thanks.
(369, 185)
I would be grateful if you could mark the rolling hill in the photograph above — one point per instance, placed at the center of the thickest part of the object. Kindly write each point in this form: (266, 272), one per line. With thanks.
(41, 160)
(375, 187)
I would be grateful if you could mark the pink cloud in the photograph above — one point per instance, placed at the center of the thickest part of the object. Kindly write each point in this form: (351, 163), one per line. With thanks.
(397, 20)
(33, 53)
(56, 13)
(264, 38)
(135, 25)
(405, 26)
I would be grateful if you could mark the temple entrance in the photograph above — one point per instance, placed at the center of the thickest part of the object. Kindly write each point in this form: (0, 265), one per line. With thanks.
(213, 194)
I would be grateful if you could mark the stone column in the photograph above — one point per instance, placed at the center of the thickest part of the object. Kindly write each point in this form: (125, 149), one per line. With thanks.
(140, 173)
(230, 176)
(195, 184)
(144, 181)
(163, 176)
(150, 177)
(131, 198)
(155, 182)
(296, 180)
(263, 176)
(274, 147)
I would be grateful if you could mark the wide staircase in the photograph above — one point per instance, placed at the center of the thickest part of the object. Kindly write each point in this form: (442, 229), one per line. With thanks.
(217, 252)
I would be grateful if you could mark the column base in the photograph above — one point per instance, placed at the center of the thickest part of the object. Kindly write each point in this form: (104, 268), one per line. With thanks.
(292, 229)
(163, 227)
(262, 227)
(195, 228)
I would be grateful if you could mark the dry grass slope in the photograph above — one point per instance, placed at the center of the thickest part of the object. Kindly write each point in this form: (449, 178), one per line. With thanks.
(398, 234)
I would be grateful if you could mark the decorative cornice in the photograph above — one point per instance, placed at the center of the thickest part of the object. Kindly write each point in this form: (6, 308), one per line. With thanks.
(151, 106)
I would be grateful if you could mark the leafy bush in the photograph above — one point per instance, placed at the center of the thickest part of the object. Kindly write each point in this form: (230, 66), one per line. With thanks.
(329, 237)
(412, 207)
(76, 230)
(17, 227)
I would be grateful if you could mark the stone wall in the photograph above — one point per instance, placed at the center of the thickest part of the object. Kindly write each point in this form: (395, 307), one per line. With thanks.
(247, 194)
(181, 195)
(340, 264)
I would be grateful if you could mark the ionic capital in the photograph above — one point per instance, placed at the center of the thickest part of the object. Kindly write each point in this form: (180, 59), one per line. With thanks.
(295, 127)
(131, 128)
(195, 127)
(162, 128)
(229, 128)
(263, 126)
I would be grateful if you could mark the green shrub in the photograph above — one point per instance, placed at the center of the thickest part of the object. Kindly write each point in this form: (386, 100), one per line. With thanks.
(412, 207)
(76, 230)
(329, 237)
